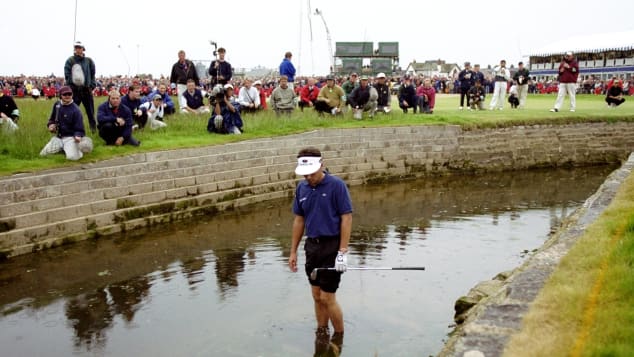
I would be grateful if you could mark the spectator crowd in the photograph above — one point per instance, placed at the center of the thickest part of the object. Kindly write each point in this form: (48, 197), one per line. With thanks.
(135, 103)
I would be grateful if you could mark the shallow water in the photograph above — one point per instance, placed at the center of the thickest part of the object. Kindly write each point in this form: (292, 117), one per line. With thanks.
(220, 286)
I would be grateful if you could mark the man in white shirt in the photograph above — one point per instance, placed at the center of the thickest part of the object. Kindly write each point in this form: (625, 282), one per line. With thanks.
(249, 98)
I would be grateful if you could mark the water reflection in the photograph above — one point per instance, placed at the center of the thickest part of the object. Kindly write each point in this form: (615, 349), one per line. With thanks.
(220, 286)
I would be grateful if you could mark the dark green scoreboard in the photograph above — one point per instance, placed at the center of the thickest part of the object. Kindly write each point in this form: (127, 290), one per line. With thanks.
(366, 49)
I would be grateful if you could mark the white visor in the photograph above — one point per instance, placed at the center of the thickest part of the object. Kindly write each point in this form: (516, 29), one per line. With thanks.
(307, 165)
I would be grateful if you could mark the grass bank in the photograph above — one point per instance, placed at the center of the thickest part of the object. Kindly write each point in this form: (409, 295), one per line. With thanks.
(20, 152)
(587, 306)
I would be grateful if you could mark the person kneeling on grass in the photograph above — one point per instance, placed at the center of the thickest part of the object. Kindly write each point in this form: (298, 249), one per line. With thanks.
(114, 121)
(9, 113)
(225, 117)
(67, 123)
(155, 112)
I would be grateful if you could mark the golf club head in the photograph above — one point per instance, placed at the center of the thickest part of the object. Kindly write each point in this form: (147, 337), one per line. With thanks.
(313, 274)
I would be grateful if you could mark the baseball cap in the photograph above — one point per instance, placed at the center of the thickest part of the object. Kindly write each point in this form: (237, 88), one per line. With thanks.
(228, 85)
(79, 44)
(330, 77)
(257, 82)
(157, 96)
(65, 90)
(380, 75)
(307, 165)
(569, 53)
(364, 78)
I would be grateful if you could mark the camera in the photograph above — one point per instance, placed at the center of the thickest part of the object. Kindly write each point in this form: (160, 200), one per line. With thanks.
(217, 94)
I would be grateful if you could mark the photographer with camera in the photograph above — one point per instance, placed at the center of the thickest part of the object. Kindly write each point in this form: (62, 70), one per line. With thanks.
(225, 116)
(220, 70)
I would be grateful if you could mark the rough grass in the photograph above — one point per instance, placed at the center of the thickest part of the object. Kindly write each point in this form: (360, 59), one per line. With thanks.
(587, 306)
(19, 152)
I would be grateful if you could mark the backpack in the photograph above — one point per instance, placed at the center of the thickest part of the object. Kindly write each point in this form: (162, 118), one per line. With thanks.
(77, 76)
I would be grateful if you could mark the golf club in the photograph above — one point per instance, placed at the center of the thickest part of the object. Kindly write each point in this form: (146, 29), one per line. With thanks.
(313, 274)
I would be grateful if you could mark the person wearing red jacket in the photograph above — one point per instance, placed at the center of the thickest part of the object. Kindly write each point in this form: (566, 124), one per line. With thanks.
(427, 97)
(258, 85)
(308, 94)
(568, 74)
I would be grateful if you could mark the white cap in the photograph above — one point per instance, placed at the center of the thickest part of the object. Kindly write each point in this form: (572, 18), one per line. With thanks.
(228, 85)
(380, 75)
(79, 44)
(257, 82)
(307, 165)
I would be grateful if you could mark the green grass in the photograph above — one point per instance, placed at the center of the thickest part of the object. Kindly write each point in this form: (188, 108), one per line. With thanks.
(20, 151)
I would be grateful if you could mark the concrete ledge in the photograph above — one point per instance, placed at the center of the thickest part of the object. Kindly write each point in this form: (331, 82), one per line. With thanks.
(63, 205)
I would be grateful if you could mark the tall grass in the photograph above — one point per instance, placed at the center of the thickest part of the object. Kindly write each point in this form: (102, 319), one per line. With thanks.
(19, 152)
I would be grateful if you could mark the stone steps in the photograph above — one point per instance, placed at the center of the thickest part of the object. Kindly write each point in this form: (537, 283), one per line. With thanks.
(57, 206)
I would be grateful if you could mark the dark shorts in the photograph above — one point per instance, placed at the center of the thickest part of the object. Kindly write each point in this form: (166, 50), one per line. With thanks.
(321, 253)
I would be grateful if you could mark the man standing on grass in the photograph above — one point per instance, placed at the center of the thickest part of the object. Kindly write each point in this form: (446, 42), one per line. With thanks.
(79, 74)
(323, 210)
(502, 76)
(568, 74)
(521, 78)
(182, 71)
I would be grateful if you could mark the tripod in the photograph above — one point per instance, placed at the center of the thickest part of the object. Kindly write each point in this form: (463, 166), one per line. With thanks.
(216, 63)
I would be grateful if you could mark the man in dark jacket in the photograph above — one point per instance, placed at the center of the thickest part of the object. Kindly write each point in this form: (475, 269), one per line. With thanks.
(384, 98)
(115, 121)
(521, 77)
(568, 74)
(220, 70)
(67, 123)
(465, 77)
(79, 74)
(132, 100)
(9, 113)
(407, 95)
(182, 71)
(363, 99)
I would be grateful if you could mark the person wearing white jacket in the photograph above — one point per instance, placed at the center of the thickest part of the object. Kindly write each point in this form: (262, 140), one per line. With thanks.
(502, 76)
(155, 112)
(249, 97)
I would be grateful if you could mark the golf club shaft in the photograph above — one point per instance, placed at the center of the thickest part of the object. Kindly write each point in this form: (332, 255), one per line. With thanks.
(381, 268)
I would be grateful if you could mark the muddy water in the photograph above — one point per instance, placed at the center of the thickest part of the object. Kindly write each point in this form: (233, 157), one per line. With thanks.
(220, 286)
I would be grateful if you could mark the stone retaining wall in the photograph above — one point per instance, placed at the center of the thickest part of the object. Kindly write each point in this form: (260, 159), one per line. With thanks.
(55, 207)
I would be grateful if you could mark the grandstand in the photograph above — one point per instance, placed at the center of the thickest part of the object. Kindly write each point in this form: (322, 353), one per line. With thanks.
(602, 56)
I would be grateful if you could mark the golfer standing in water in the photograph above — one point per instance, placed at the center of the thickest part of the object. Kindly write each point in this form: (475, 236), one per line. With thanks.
(322, 209)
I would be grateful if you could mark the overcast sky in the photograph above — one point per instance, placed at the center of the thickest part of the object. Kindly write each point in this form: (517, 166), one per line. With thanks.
(144, 36)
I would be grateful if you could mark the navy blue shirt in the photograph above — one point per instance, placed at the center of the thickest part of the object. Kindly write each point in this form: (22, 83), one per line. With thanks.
(322, 205)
